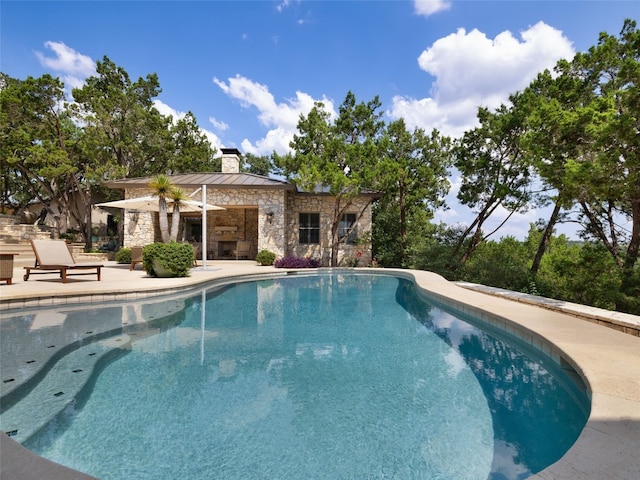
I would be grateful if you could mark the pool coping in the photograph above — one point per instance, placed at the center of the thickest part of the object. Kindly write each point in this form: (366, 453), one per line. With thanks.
(607, 360)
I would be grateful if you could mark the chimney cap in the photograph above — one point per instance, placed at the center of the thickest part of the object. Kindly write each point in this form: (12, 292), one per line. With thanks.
(230, 151)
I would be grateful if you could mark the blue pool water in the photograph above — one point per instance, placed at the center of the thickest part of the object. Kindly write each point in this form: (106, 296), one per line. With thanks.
(323, 377)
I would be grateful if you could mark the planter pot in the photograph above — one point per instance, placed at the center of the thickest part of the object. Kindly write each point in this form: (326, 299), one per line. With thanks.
(160, 270)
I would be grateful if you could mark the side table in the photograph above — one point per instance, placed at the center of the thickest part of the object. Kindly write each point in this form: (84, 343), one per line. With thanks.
(6, 267)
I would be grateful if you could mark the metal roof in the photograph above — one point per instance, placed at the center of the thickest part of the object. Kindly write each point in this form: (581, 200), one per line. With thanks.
(215, 179)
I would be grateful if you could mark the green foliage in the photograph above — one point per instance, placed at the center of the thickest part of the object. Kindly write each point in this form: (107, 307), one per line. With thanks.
(258, 165)
(175, 257)
(581, 273)
(123, 255)
(502, 264)
(436, 250)
(265, 257)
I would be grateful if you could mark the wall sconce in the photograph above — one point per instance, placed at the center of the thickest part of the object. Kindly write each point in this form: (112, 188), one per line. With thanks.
(269, 216)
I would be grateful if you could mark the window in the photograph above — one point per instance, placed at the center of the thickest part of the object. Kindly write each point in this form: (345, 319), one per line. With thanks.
(348, 229)
(309, 232)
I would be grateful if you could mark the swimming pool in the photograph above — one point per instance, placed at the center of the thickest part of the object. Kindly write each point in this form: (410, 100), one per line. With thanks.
(327, 376)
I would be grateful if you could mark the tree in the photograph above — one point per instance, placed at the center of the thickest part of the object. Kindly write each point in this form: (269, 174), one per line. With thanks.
(15, 193)
(258, 165)
(339, 157)
(612, 172)
(554, 138)
(189, 149)
(495, 173)
(413, 175)
(41, 150)
(126, 136)
(123, 130)
(586, 131)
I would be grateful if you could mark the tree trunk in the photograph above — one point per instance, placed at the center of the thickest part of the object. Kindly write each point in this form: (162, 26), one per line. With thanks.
(162, 219)
(175, 222)
(403, 223)
(546, 237)
(630, 286)
(475, 241)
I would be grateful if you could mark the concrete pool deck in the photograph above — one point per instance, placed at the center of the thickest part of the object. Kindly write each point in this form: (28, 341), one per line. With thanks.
(608, 360)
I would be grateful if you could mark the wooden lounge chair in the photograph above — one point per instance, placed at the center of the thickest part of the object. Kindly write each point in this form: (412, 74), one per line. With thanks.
(53, 255)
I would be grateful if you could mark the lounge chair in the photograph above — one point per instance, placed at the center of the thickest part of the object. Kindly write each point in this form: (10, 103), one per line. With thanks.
(53, 255)
(136, 257)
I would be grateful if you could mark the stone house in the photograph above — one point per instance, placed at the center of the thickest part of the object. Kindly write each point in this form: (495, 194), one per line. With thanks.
(267, 213)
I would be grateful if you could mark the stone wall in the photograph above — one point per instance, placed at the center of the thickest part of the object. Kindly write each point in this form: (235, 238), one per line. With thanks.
(324, 205)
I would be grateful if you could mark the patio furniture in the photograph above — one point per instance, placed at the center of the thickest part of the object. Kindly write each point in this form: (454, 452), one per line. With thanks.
(6, 267)
(53, 255)
(243, 249)
(136, 257)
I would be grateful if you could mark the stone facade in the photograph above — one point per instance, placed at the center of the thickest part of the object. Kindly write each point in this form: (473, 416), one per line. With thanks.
(324, 205)
(245, 218)
(267, 218)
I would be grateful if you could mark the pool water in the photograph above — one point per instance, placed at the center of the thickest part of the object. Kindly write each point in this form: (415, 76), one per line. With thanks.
(323, 377)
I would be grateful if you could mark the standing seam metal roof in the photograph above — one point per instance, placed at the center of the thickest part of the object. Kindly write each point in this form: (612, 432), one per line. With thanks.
(215, 179)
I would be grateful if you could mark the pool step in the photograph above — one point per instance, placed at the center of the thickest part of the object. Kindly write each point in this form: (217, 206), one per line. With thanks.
(58, 389)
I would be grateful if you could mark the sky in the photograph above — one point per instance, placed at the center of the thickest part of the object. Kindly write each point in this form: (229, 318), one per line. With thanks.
(247, 70)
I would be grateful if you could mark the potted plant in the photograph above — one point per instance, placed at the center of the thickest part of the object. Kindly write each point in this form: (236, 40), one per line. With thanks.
(171, 259)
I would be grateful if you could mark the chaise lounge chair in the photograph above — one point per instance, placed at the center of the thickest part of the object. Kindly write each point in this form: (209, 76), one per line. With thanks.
(53, 255)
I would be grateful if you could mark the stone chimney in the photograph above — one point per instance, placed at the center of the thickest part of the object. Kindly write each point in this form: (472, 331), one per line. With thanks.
(230, 160)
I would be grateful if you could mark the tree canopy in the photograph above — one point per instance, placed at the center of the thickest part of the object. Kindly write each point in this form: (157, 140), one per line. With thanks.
(59, 151)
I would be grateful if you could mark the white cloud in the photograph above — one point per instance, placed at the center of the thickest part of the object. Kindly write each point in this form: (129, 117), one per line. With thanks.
(472, 70)
(168, 111)
(218, 125)
(280, 118)
(429, 7)
(283, 5)
(73, 66)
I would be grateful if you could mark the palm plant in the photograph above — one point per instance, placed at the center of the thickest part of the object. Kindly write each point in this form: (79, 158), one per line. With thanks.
(162, 187)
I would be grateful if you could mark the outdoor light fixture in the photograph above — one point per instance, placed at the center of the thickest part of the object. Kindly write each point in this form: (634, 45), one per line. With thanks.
(269, 216)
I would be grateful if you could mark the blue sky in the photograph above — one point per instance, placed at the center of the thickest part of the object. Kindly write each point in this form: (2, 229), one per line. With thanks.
(248, 69)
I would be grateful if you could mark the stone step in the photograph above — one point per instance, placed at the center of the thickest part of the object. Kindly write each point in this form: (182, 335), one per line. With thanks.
(24, 232)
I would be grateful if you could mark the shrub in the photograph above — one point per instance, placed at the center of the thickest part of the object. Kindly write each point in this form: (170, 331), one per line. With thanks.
(109, 246)
(265, 257)
(352, 261)
(175, 257)
(291, 261)
(123, 255)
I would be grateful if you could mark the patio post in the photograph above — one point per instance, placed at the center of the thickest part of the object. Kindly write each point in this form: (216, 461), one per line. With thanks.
(204, 227)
